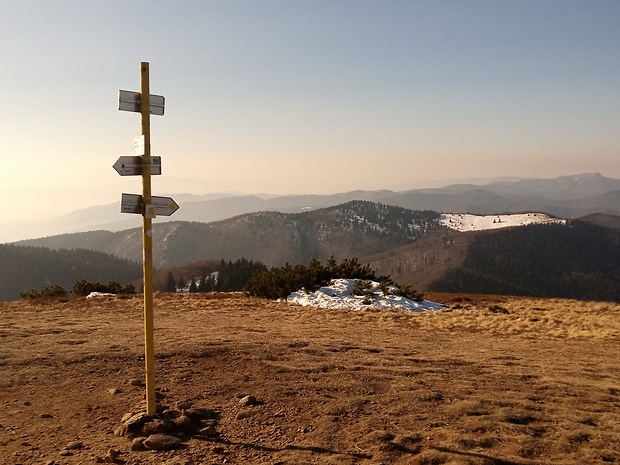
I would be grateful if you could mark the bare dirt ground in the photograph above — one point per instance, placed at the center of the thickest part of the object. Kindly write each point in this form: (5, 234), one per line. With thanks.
(491, 380)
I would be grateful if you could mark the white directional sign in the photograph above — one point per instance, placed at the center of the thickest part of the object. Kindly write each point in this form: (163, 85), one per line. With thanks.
(132, 165)
(132, 203)
(130, 101)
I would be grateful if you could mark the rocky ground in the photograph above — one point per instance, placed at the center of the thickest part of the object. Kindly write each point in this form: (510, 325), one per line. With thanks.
(489, 380)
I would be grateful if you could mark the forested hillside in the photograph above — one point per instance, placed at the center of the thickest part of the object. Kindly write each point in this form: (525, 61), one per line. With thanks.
(577, 260)
(25, 268)
(353, 229)
(421, 263)
(608, 221)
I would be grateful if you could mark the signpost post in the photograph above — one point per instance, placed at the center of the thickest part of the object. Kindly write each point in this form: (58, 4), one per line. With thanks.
(142, 163)
(147, 241)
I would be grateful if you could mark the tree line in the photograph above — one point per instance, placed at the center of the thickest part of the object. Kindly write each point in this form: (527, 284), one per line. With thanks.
(215, 277)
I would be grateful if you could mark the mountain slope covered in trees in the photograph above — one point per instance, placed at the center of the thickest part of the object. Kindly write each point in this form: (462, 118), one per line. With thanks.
(578, 260)
(26, 268)
(352, 229)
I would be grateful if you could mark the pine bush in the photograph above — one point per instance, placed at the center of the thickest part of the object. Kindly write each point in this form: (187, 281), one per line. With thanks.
(278, 283)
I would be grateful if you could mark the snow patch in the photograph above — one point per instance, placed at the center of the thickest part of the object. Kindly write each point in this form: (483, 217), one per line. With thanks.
(98, 294)
(465, 222)
(339, 294)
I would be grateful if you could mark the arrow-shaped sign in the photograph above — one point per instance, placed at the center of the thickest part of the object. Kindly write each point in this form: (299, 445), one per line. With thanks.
(130, 101)
(132, 203)
(132, 165)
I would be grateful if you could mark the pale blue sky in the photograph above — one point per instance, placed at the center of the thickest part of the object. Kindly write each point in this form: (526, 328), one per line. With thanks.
(304, 96)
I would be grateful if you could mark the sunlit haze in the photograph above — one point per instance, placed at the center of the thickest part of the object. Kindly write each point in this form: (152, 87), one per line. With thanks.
(310, 96)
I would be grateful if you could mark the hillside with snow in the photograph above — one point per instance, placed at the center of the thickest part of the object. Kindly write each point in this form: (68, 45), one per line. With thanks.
(466, 222)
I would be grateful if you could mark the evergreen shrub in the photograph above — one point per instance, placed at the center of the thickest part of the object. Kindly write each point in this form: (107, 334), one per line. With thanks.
(49, 291)
(278, 283)
(84, 288)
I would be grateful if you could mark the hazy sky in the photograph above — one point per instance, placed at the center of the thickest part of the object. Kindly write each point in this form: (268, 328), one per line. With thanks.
(298, 96)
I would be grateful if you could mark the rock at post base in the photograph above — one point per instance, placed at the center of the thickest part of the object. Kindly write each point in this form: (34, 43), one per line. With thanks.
(161, 442)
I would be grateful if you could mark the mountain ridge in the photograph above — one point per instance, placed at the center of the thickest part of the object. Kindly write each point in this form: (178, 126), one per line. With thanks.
(416, 248)
(566, 196)
(274, 238)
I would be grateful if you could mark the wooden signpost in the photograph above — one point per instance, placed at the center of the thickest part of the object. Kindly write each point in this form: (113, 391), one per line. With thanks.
(148, 206)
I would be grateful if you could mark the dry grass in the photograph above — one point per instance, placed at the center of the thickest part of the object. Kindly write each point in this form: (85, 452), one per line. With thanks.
(560, 318)
(491, 380)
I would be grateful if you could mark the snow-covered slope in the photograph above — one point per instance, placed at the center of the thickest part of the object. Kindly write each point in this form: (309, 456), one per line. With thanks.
(466, 222)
